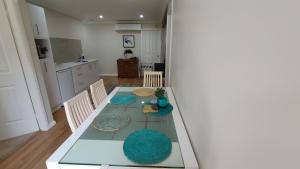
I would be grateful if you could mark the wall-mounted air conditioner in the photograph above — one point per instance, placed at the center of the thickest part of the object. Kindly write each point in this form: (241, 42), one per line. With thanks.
(128, 27)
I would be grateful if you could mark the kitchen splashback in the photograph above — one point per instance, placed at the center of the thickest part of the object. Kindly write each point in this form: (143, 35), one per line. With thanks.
(65, 50)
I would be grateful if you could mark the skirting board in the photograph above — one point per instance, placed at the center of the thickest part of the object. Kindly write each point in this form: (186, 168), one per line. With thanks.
(51, 124)
(108, 74)
(54, 109)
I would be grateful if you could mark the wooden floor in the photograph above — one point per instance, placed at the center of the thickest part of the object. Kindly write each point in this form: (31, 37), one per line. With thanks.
(33, 153)
(111, 81)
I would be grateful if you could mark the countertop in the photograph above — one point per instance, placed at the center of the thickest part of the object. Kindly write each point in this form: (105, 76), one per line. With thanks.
(68, 65)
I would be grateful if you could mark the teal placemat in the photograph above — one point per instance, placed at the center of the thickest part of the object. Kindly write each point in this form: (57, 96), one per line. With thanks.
(147, 146)
(123, 99)
(162, 111)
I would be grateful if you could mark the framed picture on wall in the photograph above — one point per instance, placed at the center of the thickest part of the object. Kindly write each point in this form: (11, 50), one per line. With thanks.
(128, 41)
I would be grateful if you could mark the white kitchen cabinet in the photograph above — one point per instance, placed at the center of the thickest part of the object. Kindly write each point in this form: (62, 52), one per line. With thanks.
(74, 77)
(38, 21)
(66, 85)
(79, 73)
(48, 70)
(84, 75)
(91, 72)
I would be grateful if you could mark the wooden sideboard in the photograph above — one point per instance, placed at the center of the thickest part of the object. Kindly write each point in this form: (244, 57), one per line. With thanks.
(128, 68)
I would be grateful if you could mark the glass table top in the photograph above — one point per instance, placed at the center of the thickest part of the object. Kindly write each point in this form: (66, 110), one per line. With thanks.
(102, 142)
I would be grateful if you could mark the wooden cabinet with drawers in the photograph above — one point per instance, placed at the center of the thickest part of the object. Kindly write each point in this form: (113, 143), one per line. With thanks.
(128, 68)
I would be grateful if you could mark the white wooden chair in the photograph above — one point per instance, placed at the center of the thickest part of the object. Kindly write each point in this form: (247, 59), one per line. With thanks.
(78, 109)
(98, 92)
(152, 79)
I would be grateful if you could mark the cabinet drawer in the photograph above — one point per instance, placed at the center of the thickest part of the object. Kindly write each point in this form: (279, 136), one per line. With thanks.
(77, 71)
(80, 83)
(83, 76)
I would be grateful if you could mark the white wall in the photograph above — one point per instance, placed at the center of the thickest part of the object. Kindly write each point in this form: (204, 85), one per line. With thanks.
(62, 26)
(103, 43)
(235, 73)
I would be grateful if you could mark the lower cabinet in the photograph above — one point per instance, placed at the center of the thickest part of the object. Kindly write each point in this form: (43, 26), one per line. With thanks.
(48, 71)
(83, 76)
(76, 79)
(66, 85)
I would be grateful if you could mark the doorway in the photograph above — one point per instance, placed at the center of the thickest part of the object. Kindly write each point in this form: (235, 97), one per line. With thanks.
(17, 116)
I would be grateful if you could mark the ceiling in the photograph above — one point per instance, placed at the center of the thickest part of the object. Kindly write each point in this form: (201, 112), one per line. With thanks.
(116, 11)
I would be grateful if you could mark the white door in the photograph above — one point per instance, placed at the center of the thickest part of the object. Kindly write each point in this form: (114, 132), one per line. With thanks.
(151, 46)
(16, 111)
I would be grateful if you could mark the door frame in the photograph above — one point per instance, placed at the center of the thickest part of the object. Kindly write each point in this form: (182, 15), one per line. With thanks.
(18, 17)
(169, 35)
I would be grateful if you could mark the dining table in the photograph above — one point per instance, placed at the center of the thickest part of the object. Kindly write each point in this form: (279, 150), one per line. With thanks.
(96, 146)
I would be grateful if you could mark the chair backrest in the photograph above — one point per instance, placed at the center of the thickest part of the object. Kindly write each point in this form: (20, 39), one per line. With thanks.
(78, 109)
(98, 92)
(152, 79)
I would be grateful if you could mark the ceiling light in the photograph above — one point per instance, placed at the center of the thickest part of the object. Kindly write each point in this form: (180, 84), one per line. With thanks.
(141, 16)
(101, 16)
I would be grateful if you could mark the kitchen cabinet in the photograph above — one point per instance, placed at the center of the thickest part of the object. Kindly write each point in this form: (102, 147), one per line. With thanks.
(66, 85)
(38, 21)
(84, 75)
(49, 75)
(74, 77)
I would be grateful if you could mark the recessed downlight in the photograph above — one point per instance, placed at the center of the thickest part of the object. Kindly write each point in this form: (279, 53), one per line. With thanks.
(141, 16)
(101, 16)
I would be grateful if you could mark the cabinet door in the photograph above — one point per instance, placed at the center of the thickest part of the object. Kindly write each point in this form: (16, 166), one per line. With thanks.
(92, 73)
(80, 78)
(49, 74)
(66, 85)
(38, 21)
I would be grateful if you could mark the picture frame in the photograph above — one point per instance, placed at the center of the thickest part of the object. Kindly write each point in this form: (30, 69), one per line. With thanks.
(128, 41)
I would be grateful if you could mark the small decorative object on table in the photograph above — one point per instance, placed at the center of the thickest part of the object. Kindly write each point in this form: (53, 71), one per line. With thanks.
(163, 111)
(150, 108)
(162, 101)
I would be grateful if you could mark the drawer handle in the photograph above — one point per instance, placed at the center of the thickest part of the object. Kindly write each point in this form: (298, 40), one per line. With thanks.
(37, 29)
(46, 69)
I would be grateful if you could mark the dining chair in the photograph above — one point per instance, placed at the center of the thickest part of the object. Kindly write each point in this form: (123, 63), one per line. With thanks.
(152, 79)
(98, 92)
(78, 109)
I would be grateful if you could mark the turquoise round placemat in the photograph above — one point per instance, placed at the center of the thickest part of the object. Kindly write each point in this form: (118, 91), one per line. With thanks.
(123, 99)
(162, 111)
(147, 146)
